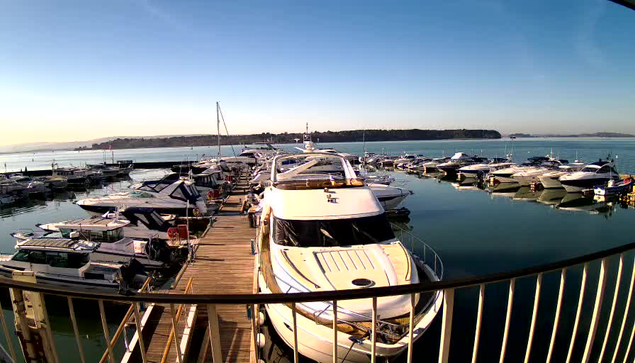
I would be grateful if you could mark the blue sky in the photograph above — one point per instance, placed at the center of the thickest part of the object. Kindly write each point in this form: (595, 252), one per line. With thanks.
(76, 70)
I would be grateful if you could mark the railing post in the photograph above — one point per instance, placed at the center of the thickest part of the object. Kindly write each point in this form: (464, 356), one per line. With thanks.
(508, 318)
(599, 296)
(373, 352)
(446, 325)
(104, 324)
(534, 315)
(578, 311)
(175, 328)
(214, 333)
(618, 279)
(625, 315)
(142, 348)
(556, 317)
(6, 335)
(479, 319)
(294, 317)
(411, 326)
(71, 310)
(335, 331)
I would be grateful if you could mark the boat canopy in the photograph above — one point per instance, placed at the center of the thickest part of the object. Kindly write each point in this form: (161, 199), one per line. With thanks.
(57, 244)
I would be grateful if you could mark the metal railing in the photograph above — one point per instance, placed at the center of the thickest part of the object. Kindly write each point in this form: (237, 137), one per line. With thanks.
(593, 337)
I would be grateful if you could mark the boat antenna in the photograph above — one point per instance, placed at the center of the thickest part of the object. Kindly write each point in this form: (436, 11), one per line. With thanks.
(364, 140)
(218, 126)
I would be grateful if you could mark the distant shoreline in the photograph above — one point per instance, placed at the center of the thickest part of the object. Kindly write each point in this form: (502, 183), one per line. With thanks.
(291, 138)
(596, 134)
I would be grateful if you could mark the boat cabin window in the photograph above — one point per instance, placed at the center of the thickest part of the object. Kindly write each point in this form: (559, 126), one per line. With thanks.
(331, 233)
(66, 260)
(589, 169)
(605, 169)
(53, 258)
(140, 194)
(113, 235)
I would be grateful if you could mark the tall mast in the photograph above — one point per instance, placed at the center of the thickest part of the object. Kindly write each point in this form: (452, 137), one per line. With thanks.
(218, 126)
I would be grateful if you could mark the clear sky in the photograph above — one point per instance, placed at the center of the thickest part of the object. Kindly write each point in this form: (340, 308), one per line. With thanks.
(78, 70)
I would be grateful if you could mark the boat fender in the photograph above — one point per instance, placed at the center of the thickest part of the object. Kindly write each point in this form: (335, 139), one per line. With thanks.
(261, 318)
(261, 340)
(173, 233)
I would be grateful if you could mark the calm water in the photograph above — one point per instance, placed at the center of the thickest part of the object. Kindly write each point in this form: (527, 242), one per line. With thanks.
(475, 232)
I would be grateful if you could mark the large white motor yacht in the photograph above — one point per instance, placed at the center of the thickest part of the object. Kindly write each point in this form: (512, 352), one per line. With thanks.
(594, 174)
(324, 230)
(389, 196)
(180, 197)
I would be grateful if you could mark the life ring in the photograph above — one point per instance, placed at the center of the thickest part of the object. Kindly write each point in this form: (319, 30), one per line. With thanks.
(173, 232)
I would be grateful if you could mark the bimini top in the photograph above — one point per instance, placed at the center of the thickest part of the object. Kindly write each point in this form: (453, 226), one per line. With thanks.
(58, 244)
(94, 224)
(323, 204)
(313, 171)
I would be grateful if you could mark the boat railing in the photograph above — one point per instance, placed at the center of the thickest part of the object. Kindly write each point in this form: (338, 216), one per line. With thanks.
(593, 322)
(420, 250)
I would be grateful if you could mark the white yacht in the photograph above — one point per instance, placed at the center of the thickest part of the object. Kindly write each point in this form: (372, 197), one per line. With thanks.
(389, 196)
(593, 174)
(180, 197)
(112, 245)
(139, 223)
(457, 161)
(324, 230)
(67, 263)
(551, 180)
(476, 171)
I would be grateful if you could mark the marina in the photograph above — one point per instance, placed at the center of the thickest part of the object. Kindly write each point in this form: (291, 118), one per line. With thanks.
(448, 211)
(385, 183)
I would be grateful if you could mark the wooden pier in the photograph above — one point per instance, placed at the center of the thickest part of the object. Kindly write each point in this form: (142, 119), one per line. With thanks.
(223, 264)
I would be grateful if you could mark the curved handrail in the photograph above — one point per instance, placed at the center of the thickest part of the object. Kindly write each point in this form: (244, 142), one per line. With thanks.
(349, 294)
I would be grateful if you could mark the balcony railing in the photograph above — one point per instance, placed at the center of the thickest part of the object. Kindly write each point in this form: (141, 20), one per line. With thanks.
(607, 335)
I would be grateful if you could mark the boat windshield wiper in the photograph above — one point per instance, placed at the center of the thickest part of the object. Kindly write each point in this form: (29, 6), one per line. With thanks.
(356, 228)
(328, 235)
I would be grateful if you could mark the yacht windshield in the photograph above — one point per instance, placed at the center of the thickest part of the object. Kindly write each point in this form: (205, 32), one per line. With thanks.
(330, 233)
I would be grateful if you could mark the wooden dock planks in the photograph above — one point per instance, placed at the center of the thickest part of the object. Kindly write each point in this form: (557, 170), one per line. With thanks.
(223, 264)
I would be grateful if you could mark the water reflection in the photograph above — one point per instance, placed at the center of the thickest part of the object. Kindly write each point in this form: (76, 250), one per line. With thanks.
(557, 198)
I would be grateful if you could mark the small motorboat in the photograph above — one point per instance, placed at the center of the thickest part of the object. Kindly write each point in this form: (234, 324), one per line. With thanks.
(614, 187)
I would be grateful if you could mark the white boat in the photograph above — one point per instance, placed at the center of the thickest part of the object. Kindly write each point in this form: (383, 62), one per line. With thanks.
(180, 197)
(138, 223)
(457, 161)
(324, 231)
(551, 179)
(112, 245)
(67, 263)
(479, 171)
(504, 175)
(592, 175)
(389, 196)
(529, 176)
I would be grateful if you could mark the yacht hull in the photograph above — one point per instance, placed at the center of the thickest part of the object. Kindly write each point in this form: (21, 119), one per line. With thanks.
(99, 210)
(579, 185)
(550, 182)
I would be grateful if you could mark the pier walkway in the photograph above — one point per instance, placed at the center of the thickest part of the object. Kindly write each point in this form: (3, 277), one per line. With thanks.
(223, 264)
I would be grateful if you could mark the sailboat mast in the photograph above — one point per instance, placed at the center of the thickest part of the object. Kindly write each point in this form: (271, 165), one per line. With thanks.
(218, 126)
